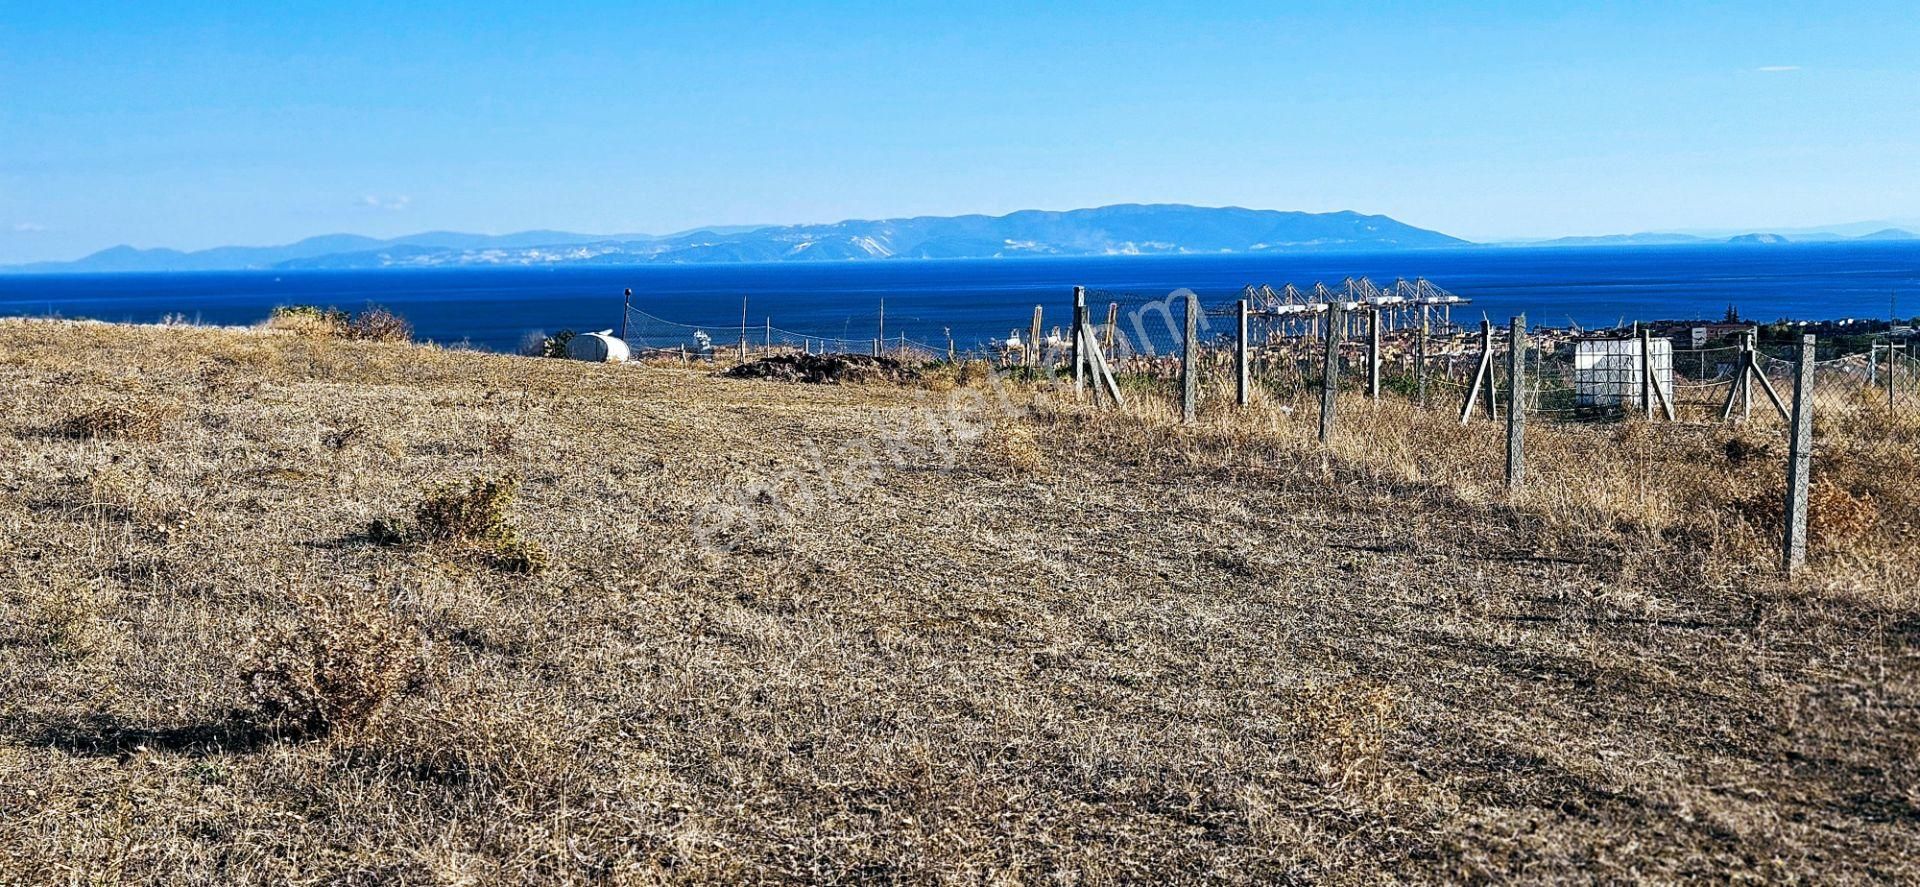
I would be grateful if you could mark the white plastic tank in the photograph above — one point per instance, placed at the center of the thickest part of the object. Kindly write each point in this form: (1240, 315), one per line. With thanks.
(600, 347)
(1607, 372)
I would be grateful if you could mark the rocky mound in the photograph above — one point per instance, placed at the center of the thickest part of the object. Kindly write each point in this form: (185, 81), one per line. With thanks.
(825, 369)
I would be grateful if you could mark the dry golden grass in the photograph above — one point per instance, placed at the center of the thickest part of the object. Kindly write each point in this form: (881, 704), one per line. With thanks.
(843, 633)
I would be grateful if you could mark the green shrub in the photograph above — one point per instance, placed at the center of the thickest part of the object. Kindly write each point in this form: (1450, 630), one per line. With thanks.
(472, 517)
(556, 344)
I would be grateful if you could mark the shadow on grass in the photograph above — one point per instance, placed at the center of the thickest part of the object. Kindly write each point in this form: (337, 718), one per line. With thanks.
(106, 736)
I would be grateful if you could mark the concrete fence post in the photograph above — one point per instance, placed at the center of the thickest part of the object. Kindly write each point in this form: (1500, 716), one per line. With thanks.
(1033, 340)
(1190, 361)
(1373, 353)
(1420, 357)
(1240, 366)
(1079, 323)
(1330, 371)
(1799, 462)
(1517, 403)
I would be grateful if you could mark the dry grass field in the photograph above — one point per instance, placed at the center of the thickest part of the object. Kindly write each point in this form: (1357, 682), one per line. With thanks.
(283, 608)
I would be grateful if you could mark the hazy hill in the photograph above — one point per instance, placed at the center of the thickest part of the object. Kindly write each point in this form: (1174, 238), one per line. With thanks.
(1112, 230)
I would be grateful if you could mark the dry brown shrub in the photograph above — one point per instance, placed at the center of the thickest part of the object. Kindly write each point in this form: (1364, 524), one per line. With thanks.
(1745, 447)
(66, 620)
(333, 670)
(473, 739)
(972, 372)
(308, 320)
(129, 420)
(516, 555)
(1838, 519)
(1012, 444)
(1349, 724)
(377, 324)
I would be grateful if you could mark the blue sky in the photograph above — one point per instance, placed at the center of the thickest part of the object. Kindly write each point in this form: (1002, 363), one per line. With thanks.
(193, 125)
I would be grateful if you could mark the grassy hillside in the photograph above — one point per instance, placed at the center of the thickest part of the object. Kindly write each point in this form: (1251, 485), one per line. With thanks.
(283, 608)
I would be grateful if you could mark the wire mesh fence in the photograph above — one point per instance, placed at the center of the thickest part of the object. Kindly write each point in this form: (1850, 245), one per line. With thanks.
(1639, 417)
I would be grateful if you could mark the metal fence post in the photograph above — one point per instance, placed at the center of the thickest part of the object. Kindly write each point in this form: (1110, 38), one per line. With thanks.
(1190, 360)
(1516, 403)
(1240, 368)
(1799, 462)
(1330, 371)
(1033, 340)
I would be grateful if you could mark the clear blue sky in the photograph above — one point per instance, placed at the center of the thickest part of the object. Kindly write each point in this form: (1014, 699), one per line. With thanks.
(192, 125)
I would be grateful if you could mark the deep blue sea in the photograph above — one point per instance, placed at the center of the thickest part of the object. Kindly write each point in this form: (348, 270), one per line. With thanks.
(981, 298)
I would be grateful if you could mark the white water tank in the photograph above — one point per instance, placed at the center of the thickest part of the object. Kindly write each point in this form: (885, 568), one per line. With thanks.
(600, 347)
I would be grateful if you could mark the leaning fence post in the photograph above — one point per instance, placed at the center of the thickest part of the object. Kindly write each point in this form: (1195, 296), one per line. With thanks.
(1240, 367)
(1493, 388)
(1482, 377)
(1190, 360)
(1799, 461)
(1373, 353)
(1516, 403)
(1330, 372)
(1646, 372)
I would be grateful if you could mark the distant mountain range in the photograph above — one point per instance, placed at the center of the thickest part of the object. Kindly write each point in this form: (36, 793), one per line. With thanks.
(1110, 230)
(1128, 229)
(1761, 238)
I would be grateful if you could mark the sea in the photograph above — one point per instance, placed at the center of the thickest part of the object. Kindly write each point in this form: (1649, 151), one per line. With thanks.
(977, 301)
